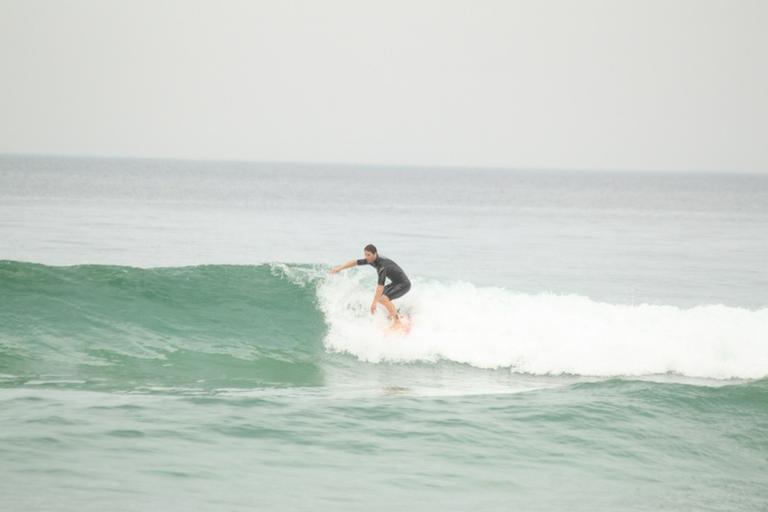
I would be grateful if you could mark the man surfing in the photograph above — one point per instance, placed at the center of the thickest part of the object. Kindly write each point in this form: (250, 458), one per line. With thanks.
(386, 268)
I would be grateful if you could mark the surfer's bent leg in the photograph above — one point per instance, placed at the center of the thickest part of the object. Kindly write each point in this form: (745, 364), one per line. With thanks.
(389, 305)
(393, 291)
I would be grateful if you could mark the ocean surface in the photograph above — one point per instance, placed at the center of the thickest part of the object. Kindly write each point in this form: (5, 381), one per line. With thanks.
(171, 339)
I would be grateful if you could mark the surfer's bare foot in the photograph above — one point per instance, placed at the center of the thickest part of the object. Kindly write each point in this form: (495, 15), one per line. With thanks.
(396, 323)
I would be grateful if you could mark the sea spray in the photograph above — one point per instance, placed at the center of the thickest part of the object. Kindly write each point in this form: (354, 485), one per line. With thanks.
(492, 327)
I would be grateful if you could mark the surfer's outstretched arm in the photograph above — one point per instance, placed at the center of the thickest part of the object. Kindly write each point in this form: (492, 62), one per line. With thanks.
(343, 266)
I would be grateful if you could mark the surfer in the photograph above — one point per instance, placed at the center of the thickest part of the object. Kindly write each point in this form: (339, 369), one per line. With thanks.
(386, 268)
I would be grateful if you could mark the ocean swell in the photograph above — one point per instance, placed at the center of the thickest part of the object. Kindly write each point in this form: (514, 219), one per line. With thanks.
(276, 324)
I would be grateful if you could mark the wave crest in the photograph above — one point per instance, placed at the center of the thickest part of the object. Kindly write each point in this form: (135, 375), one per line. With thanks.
(491, 327)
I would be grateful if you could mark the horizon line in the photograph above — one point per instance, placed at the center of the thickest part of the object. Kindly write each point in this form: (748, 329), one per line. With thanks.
(326, 163)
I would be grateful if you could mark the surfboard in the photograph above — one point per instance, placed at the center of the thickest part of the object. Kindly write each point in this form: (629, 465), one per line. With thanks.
(387, 327)
(405, 325)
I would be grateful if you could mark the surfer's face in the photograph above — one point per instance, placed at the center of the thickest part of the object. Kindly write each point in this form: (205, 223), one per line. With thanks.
(370, 257)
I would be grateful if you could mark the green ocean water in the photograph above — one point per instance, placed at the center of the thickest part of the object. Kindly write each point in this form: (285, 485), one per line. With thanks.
(215, 387)
(171, 340)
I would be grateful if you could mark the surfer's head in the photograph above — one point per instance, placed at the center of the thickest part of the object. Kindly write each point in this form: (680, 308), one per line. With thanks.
(370, 253)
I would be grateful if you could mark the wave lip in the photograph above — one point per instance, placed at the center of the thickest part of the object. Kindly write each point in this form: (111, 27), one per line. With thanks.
(547, 334)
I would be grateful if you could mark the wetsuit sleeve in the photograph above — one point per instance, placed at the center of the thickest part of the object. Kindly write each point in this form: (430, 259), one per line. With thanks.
(362, 261)
(382, 276)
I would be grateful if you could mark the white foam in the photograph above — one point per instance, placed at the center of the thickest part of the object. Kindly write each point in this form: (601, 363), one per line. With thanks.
(546, 334)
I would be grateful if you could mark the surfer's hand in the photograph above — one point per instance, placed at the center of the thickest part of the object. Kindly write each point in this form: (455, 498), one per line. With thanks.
(334, 270)
(373, 308)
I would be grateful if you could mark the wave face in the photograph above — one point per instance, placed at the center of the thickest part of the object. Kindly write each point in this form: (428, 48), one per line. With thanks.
(275, 325)
(217, 325)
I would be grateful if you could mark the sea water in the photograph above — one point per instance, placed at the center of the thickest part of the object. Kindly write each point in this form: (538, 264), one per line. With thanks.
(171, 339)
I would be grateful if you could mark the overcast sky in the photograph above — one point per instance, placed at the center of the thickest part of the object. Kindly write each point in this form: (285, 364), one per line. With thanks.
(613, 84)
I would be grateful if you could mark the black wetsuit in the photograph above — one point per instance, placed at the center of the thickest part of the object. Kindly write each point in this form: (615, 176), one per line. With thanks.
(399, 285)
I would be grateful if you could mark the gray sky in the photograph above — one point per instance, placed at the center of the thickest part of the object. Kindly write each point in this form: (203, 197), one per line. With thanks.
(614, 84)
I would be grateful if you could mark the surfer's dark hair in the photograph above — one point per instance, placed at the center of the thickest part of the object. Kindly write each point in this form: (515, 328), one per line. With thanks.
(371, 248)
